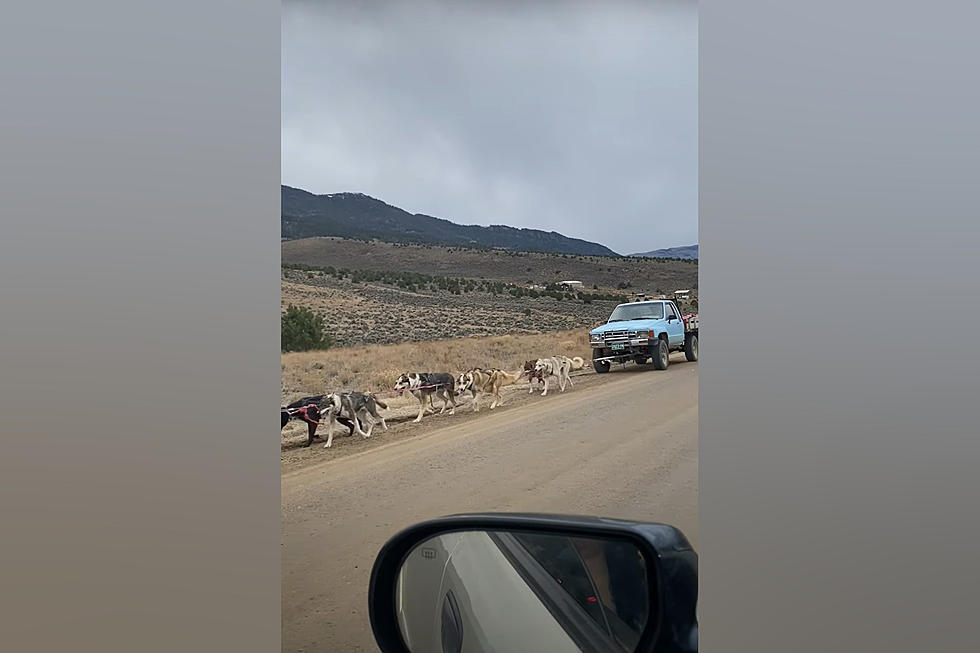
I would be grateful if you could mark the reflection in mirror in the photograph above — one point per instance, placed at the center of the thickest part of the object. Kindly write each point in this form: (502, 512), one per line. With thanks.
(483, 592)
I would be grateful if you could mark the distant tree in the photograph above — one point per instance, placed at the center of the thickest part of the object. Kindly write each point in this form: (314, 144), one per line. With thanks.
(303, 330)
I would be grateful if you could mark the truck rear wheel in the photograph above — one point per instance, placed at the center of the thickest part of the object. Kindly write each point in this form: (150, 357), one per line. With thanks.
(661, 355)
(691, 347)
(600, 367)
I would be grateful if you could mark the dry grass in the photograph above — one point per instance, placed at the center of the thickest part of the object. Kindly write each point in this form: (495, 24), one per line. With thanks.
(374, 368)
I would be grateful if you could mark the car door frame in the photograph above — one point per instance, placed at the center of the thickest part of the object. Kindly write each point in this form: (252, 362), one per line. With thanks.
(675, 328)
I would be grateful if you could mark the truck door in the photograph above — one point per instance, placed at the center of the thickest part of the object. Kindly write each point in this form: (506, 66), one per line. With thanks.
(675, 325)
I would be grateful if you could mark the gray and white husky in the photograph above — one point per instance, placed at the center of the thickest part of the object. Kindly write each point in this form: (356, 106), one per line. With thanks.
(360, 408)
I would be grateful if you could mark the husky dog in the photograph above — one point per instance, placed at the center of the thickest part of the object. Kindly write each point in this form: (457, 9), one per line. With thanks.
(310, 410)
(487, 382)
(425, 385)
(473, 382)
(558, 367)
(532, 375)
(359, 407)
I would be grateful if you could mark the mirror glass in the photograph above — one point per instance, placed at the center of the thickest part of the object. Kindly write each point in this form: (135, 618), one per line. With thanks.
(490, 591)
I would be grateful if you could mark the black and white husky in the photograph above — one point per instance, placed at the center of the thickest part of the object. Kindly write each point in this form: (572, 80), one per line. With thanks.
(310, 410)
(425, 385)
(360, 408)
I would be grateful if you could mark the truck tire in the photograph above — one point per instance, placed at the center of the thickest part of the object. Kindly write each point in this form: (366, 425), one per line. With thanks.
(600, 367)
(691, 347)
(661, 355)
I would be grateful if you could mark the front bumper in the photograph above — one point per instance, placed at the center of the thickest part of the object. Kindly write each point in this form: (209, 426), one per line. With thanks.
(625, 343)
(626, 350)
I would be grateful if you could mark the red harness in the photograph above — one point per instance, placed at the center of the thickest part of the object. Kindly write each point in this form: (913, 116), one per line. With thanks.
(303, 412)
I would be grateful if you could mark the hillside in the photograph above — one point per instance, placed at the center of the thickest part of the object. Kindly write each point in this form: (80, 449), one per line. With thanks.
(353, 215)
(687, 252)
(607, 273)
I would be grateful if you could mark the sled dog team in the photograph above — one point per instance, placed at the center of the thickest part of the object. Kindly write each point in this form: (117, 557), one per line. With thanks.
(355, 409)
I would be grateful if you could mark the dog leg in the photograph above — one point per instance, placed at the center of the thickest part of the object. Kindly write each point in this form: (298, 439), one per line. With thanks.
(330, 424)
(370, 422)
(545, 382)
(421, 410)
(360, 420)
(374, 412)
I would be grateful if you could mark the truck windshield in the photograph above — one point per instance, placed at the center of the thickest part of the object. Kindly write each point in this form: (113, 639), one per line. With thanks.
(624, 312)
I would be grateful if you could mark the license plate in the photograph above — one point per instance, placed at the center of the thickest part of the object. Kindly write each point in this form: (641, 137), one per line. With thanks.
(618, 347)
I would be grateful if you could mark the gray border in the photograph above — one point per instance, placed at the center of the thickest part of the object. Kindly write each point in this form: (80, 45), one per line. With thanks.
(838, 163)
(838, 426)
(139, 274)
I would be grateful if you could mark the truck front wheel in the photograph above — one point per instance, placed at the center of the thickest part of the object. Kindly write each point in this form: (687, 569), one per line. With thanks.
(691, 347)
(661, 355)
(601, 367)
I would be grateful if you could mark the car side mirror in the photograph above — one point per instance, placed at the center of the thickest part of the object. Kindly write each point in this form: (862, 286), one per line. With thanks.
(513, 582)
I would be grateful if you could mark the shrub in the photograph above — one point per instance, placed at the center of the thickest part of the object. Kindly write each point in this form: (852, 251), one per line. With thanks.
(302, 330)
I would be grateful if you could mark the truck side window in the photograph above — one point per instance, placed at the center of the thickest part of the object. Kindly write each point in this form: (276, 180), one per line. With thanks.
(671, 311)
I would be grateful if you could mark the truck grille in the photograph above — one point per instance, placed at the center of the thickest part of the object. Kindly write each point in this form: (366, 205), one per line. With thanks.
(616, 337)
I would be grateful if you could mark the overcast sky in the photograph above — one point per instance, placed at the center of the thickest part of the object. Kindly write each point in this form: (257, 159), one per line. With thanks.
(577, 118)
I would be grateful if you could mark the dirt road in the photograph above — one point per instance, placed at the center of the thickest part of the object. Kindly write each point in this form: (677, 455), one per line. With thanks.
(624, 446)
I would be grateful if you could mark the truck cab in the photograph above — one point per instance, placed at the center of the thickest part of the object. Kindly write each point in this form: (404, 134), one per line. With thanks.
(641, 331)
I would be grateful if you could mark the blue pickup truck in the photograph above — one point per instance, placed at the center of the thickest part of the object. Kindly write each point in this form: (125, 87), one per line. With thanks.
(641, 331)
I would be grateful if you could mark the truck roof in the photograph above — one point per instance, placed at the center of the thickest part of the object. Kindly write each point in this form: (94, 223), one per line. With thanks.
(646, 301)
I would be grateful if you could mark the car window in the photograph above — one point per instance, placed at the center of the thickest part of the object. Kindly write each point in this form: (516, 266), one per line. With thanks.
(671, 310)
(561, 560)
(620, 577)
(607, 579)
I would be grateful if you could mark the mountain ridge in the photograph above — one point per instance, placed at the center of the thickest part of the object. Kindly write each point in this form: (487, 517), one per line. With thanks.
(356, 215)
(684, 252)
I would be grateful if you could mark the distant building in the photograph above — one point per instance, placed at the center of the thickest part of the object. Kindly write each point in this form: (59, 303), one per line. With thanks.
(682, 294)
(572, 285)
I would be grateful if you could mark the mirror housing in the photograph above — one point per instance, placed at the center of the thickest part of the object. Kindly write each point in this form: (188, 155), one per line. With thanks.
(672, 562)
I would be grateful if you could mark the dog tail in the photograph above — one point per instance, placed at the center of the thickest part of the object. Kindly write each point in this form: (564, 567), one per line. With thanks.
(380, 403)
(578, 363)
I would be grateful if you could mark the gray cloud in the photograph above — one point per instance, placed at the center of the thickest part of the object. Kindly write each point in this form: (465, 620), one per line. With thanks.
(576, 117)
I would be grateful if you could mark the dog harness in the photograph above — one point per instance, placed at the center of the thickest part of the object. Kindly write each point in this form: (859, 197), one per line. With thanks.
(304, 413)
